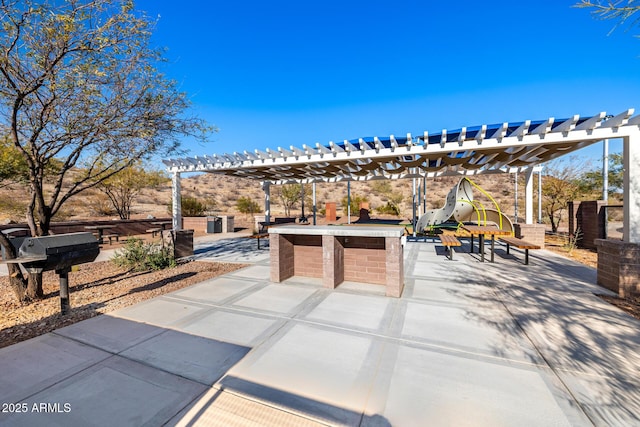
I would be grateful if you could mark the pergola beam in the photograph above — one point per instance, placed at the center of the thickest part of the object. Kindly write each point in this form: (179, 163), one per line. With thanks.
(487, 149)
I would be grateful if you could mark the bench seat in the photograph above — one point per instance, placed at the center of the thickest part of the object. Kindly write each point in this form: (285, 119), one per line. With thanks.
(449, 240)
(520, 244)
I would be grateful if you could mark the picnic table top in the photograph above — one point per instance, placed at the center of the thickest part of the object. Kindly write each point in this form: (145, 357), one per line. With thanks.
(486, 229)
(99, 227)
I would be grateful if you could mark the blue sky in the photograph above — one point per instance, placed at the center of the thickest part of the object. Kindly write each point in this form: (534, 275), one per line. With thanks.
(283, 73)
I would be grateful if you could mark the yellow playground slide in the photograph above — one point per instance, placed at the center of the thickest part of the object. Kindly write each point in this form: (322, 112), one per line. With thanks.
(460, 208)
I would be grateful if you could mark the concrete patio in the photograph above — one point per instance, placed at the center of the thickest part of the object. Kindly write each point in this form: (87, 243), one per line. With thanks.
(468, 343)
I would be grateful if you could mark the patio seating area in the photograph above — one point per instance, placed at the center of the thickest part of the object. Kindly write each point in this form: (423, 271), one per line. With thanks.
(496, 344)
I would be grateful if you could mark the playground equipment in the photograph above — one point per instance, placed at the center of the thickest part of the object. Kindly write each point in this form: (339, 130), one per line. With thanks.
(460, 208)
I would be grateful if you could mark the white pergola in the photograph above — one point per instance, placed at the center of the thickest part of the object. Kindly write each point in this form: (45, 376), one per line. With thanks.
(500, 148)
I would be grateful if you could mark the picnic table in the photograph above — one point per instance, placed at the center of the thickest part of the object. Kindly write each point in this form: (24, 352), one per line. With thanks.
(100, 230)
(485, 230)
(162, 224)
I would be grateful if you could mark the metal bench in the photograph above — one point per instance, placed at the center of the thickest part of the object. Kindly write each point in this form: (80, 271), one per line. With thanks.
(111, 236)
(448, 241)
(154, 231)
(520, 244)
(259, 236)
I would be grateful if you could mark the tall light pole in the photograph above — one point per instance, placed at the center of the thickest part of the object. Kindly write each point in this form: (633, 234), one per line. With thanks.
(605, 170)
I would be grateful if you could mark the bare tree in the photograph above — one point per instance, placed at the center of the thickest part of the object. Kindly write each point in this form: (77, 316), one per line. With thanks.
(289, 195)
(619, 10)
(122, 188)
(561, 185)
(79, 85)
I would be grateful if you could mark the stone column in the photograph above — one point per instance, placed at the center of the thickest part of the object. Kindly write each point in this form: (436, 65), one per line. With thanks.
(332, 262)
(619, 267)
(532, 233)
(177, 202)
(394, 266)
(281, 257)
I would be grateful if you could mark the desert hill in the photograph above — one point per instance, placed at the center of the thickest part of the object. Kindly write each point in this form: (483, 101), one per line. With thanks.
(224, 192)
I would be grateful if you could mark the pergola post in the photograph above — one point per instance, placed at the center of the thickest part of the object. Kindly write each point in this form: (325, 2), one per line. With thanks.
(176, 201)
(631, 158)
(515, 198)
(424, 193)
(303, 218)
(413, 207)
(540, 196)
(618, 267)
(266, 187)
(528, 197)
(348, 202)
(313, 186)
(605, 170)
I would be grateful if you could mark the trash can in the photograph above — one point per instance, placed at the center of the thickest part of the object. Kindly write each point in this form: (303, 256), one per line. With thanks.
(214, 225)
(182, 243)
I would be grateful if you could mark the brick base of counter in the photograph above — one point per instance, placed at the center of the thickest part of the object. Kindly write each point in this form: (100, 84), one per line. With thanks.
(619, 266)
(374, 260)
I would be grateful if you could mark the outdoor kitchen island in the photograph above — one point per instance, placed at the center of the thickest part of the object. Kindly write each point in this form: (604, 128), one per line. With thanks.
(368, 254)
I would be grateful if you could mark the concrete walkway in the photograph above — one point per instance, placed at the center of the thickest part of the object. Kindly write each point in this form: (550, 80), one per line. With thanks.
(467, 344)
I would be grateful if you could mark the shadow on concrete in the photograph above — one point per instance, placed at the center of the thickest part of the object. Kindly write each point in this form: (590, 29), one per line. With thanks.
(592, 347)
(152, 373)
(231, 247)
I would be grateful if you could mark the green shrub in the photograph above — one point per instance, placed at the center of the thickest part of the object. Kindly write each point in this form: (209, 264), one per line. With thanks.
(247, 206)
(137, 255)
(356, 199)
(388, 209)
(191, 206)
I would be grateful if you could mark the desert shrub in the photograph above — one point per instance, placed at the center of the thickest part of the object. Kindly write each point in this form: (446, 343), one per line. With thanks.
(192, 206)
(137, 255)
(100, 205)
(388, 209)
(247, 206)
(356, 199)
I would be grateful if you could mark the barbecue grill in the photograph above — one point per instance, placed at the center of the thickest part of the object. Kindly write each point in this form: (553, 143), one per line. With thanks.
(59, 253)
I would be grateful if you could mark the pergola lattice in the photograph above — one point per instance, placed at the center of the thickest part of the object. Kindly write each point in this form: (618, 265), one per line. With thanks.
(505, 147)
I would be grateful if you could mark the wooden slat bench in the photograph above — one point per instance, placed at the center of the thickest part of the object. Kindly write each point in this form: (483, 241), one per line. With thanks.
(448, 241)
(520, 244)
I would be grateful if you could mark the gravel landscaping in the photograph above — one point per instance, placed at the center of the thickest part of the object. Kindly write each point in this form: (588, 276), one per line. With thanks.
(95, 289)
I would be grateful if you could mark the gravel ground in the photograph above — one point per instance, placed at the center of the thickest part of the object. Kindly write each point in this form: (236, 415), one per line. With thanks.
(94, 289)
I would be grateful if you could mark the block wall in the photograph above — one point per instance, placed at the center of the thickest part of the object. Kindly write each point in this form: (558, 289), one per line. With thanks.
(281, 257)
(619, 267)
(307, 256)
(532, 233)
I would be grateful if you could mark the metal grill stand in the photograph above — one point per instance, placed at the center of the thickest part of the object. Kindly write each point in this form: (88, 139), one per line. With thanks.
(58, 253)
